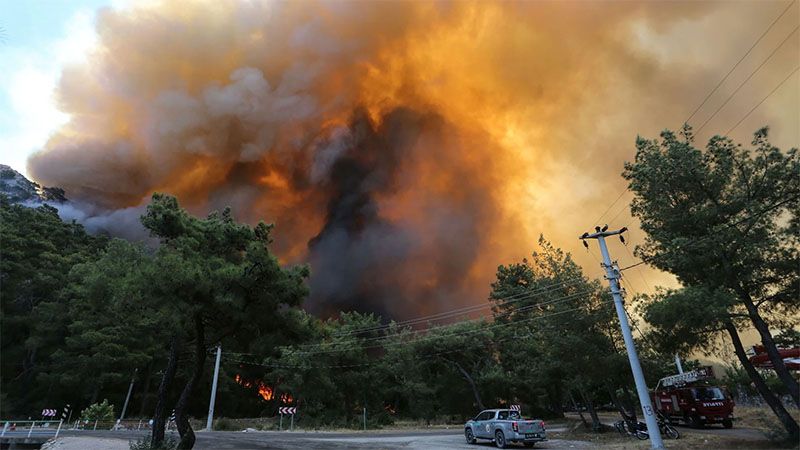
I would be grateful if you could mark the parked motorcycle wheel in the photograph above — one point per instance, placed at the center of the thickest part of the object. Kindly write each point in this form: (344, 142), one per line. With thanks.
(642, 435)
(671, 432)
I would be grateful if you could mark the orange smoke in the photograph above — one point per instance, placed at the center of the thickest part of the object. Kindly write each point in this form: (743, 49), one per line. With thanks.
(404, 149)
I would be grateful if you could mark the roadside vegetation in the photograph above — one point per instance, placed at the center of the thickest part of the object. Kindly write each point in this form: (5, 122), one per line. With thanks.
(82, 314)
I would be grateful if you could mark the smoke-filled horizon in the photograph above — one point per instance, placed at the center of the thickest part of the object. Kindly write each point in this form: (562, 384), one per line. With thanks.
(403, 149)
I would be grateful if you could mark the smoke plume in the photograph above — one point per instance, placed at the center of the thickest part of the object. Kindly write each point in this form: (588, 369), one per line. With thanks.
(404, 149)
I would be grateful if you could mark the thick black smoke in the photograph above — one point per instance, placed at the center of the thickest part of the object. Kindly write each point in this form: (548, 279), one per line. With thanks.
(365, 261)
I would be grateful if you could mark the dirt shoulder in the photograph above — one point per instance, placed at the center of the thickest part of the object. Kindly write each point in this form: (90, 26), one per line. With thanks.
(86, 443)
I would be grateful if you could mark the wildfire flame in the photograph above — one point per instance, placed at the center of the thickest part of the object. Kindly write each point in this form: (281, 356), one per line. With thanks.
(287, 399)
(264, 391)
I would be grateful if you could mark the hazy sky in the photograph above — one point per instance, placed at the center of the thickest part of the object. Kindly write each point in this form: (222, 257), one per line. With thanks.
(537, 103)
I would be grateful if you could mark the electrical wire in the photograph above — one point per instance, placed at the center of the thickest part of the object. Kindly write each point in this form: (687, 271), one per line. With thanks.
(763, 100)
(638, 270)
(416, 357)
(748, 78)
(464, 310)
(739, 61)
(611, 205)
(390, 342)
(710, 234)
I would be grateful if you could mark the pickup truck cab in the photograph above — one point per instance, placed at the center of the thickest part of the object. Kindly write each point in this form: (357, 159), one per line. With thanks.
(504, 426)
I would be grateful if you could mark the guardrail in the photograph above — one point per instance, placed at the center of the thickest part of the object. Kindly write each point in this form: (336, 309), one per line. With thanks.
(17, 428)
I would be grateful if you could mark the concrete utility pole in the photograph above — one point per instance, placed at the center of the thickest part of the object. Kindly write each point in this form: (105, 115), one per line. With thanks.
(612, 274)
(213, 390)
(127, 397)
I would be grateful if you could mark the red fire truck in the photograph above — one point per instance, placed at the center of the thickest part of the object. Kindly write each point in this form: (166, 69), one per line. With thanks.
(691, 397)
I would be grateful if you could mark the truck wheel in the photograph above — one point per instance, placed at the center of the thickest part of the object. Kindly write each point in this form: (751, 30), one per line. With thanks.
(470, 437)
(499, 439)
(727, 423)
(697, 422)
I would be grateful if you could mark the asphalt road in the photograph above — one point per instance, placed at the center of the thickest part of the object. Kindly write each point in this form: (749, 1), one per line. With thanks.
(390, 440)
(412, 439)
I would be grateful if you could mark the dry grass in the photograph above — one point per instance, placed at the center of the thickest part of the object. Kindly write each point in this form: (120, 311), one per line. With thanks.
(690, 439)
(760, 418)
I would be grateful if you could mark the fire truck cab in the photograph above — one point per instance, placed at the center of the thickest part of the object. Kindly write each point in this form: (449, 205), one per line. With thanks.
(692, 398)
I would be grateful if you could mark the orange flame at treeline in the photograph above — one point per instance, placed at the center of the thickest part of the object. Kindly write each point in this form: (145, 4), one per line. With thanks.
(404, 149)
(264, 391)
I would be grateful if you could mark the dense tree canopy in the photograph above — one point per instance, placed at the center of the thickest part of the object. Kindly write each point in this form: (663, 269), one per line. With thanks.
(724, 221)
(38, 252)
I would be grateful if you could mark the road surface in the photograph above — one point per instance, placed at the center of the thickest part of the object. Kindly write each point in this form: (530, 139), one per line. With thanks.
(390, 440)
(412, 439)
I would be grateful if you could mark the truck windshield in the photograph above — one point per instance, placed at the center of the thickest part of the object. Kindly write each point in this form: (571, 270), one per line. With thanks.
(708, 393)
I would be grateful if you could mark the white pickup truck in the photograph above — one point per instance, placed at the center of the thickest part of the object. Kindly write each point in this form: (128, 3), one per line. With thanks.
(504, 426)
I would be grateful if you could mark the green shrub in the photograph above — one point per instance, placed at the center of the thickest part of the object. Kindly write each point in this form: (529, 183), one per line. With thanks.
(103, 411)
(225, 424)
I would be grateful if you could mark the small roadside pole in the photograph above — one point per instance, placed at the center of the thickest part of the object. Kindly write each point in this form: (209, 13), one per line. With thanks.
(365, 418)
(291, 423)
(213, 390)
(280, 424)
(60, 422)
(613, 275)
(127, 397)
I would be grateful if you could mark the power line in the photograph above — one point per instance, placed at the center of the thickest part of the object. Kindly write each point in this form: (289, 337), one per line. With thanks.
(617, 214)
(416, 357)
(357, 345)
(389, 338)
(763, 100)
(464, 310)
(739, 62)
(748, 78)
(719, 84)
(711, 234)
(638, 270)
(611, 205)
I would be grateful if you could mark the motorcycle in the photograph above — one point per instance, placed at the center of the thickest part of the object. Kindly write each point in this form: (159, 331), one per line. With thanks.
(633, 428)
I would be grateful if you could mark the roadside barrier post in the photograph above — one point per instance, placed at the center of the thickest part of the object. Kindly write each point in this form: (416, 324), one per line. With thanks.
(280, 424)
(5, 427)
(31, 430)
(291, 426)
(95, 424)
(59, 427)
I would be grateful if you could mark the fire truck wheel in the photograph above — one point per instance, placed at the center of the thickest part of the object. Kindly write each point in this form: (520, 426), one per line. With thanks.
(697, 422)
(727, 423)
